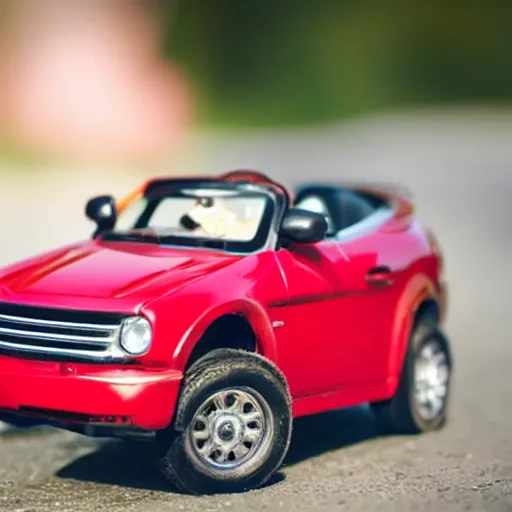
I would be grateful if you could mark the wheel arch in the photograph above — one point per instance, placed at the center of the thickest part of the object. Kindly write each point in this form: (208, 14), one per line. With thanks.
(419, 300)
(246, 324)
(428, 308)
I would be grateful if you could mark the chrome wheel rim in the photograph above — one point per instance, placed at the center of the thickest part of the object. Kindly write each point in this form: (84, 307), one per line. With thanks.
(231, 428)
(431, 378)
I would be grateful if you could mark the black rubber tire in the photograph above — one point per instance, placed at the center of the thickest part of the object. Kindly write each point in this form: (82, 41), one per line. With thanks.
(215, 371)
(400, 415)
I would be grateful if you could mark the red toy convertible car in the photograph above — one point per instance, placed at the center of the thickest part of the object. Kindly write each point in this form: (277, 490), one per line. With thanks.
(210, 312)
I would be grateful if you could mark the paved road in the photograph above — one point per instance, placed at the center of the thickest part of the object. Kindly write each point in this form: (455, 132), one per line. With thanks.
(460, 169)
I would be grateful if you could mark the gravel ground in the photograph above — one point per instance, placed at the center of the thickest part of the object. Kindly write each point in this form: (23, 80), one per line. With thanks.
(459, 167)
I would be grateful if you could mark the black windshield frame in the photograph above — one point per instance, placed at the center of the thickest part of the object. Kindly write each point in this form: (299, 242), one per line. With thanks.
(159, 191)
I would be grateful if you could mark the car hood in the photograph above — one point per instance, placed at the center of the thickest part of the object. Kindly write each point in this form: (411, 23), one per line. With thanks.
(113, 270)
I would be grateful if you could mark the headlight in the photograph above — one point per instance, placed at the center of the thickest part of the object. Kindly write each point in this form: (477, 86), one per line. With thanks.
(136, 335)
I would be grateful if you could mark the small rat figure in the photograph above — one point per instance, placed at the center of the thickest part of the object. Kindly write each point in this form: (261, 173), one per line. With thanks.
(210, 216)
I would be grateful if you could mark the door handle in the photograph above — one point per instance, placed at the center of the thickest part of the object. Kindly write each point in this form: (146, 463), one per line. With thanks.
(380, 276)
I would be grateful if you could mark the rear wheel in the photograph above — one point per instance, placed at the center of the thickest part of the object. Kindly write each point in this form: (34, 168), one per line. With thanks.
(421, 400)
(233, 425)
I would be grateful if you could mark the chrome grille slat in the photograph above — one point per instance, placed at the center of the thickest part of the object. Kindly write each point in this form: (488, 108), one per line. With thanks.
(59, 333)
(89, 354)
(57, 337)
(54, 323)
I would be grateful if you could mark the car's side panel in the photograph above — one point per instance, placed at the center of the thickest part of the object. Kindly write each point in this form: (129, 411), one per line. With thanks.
(373, 305)
(370, 311)
(418, 283)
(402, 246)
(419, 288)
(309, 337)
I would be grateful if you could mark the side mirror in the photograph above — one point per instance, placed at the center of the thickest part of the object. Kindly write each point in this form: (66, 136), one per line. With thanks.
(303, 227)
(102, 210)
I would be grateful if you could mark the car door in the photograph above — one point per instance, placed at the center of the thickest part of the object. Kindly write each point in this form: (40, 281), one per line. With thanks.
(357, 311)
(370, 298)
(312, 321)
(372, 280)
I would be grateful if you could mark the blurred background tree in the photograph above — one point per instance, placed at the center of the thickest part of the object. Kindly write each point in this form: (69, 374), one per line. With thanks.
(280, 62)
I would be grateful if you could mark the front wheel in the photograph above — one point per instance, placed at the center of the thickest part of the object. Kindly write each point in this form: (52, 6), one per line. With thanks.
(233, 425)
(421, 401)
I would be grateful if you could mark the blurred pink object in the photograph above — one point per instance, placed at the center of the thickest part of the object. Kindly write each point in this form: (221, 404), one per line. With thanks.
(86, 80)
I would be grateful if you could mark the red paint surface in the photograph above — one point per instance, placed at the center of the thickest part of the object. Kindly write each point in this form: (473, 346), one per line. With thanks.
(342, 341)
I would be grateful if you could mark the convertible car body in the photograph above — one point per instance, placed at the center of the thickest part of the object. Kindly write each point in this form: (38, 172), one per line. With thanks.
(324, 289)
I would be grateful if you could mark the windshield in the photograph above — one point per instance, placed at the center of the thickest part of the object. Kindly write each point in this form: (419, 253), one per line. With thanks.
(220, 216)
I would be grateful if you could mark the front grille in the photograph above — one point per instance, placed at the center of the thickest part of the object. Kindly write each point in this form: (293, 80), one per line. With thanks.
(59, 333)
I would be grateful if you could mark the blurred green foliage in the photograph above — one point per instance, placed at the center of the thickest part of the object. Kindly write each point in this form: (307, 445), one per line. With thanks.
(261, 62)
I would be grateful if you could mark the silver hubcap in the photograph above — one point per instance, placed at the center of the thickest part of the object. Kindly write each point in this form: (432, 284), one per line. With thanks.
(431, 376)
(231, 427)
